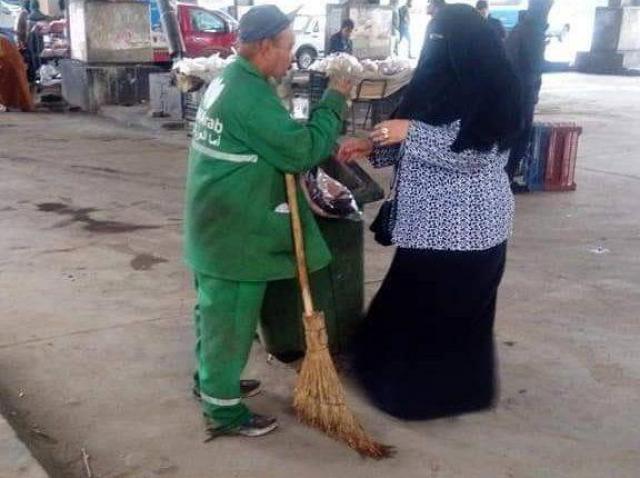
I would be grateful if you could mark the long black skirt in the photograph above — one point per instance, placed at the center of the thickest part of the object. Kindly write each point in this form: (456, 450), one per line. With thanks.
(426, 349)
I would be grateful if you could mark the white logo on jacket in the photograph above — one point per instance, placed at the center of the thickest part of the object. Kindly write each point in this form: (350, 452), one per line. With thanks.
(214, 91)
(209, 130)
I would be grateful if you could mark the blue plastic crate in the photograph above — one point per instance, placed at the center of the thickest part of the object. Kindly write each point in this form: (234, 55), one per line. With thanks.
(536, 161)
(530, 173)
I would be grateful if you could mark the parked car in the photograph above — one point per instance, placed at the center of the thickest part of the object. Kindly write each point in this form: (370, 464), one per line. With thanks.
(310, 39)
(204, 32)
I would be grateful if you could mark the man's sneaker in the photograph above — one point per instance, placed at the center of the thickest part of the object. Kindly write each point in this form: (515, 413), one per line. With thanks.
(256, 426)
(248, 389)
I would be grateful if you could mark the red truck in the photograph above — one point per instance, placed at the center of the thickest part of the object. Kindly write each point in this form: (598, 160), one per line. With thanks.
(204, 32)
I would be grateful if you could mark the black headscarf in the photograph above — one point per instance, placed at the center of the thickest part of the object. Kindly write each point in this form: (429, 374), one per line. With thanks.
(464, 74)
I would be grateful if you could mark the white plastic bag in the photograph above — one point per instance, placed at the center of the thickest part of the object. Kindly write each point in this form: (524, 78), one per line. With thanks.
(340, 66)
(49, 75)
(205, 68)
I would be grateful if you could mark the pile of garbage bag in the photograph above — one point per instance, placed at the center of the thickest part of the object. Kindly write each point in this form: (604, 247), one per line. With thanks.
(348, 66)
(339, 66)
(205, 69)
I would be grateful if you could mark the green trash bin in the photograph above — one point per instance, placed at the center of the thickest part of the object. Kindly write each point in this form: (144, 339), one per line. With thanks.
(338, 290)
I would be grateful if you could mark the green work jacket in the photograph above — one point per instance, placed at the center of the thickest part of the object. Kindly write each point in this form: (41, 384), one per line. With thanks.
(237, 221)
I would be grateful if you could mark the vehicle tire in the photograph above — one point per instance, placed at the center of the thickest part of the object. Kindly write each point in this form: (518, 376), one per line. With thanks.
(306, 57)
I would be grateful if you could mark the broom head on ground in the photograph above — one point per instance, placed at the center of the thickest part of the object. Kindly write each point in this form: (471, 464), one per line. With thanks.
(319, 398)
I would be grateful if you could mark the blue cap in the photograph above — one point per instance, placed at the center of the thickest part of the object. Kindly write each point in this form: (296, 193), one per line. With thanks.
(263, 22)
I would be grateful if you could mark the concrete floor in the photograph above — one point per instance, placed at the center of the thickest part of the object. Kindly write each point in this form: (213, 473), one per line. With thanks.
(95, 341)
(15, 459)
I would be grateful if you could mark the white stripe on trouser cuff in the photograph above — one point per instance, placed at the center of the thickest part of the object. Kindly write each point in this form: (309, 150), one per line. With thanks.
(234, 158)
(220, 402)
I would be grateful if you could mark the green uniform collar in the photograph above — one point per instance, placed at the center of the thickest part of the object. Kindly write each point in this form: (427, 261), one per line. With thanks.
(250, 67)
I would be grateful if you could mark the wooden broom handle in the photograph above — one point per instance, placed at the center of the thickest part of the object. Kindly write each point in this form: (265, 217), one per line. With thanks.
(298, 244)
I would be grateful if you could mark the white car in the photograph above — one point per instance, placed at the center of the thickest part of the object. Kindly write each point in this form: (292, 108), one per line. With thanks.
(310, 39)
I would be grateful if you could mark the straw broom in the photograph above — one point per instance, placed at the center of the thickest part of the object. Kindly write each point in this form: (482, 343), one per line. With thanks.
(319, 398)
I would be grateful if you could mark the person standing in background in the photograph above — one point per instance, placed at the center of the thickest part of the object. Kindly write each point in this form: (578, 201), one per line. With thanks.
(341, 41)
(395, 25)
(496, 25)
(525, 46)
(35, 14)
(404, 25)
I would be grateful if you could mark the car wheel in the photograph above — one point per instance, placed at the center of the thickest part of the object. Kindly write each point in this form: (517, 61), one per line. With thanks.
(305, 58)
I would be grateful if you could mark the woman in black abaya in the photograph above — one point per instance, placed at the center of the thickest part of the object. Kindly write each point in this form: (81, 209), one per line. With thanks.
(426, 349)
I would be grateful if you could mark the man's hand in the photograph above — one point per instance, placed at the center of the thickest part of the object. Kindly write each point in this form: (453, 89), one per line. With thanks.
(341, 85)
(352, 149)
(390, 132)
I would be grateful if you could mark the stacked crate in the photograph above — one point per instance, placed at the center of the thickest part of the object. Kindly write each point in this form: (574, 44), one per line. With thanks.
(318, 83)
(191, 104)
(550, 163)
(561, 159)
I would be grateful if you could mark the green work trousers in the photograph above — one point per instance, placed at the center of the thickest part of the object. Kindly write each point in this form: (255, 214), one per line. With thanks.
(226, 317)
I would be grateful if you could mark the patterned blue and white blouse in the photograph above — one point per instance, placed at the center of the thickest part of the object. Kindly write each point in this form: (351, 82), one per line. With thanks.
(446, 200)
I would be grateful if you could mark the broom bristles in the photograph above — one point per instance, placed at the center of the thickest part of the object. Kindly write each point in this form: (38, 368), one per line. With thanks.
(319, 398)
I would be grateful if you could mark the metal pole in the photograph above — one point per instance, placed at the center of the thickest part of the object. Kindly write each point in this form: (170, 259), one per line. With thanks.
(171, 29)
(240, 3)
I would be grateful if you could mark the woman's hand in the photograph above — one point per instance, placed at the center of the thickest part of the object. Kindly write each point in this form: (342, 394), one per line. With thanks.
(352, 149)
(390, 132)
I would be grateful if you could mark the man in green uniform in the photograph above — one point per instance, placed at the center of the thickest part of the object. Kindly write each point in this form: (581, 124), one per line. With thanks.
(237, 224)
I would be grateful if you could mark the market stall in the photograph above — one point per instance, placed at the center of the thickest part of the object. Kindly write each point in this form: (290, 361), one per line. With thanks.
(377, 88)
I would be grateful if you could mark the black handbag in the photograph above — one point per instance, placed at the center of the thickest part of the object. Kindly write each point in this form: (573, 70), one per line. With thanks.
(384, 223)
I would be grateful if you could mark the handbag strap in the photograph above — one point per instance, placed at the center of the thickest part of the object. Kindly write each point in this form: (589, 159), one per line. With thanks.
(394, 185)
(393, 191)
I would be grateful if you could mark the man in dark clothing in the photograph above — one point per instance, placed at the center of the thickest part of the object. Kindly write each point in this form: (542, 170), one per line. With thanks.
(35, 14)
(496, 25)
(341, 41)
(525, 48)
